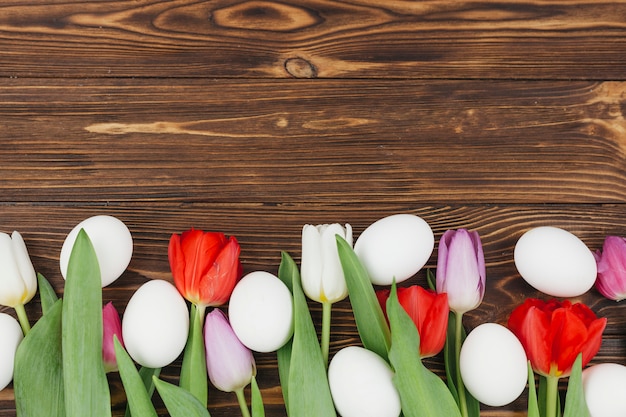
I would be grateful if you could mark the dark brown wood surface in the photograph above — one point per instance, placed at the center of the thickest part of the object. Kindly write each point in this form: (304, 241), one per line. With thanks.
(256, 117)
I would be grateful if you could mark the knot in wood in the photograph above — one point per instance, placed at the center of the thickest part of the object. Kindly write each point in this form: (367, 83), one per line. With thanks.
(300, 68)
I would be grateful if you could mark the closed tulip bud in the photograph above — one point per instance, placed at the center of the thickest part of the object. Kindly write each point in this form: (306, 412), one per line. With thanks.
(461, 269)
(321, 271)
(230, 364)
(611, 261)
(18, 281)
(111, 326)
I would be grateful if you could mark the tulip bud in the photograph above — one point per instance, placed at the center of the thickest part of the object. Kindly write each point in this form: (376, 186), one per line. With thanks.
(321, 271)
(461, 270)
(18, 281)
(230, 364)
(111, 326)
(611, 279)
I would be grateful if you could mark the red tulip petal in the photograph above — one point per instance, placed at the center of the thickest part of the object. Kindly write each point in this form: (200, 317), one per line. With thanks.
(218, 283)
(531, 326)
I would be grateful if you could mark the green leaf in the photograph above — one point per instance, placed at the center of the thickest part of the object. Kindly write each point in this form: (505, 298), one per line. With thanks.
(533, 405)
(38, 376)
(46, 293)
(431, 279)
(287, 273)
(193, 372)
(146, 375)
(422, 393)
(368, 315)
(307, 370)
(136, 394)
(575, 404)
(178, 401)
(83, 369)
(256, 400)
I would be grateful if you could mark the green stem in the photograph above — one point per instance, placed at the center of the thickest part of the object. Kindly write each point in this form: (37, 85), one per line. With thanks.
(457, 351)
(241, 399)
(23, 318)
(552, 392)
(325, 343)
(193, 373)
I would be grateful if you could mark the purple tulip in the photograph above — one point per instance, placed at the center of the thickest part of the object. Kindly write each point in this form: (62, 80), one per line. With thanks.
(111, 326)
(461, 269)
(611, 279)
(230, 364)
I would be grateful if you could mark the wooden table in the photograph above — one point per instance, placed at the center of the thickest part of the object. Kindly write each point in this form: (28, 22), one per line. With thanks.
(256, 117)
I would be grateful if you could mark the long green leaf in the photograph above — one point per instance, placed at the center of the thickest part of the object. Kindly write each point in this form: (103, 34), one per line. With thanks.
(368, 315)
(287, 273)
(256, 400)
(146, 375)
(193, 371)
(422, 393)
(83, 369)
(533, 405)
(46, 293)
(575, 404)
(38, 376)
(178, 401)
(307, 370)
(136, 394)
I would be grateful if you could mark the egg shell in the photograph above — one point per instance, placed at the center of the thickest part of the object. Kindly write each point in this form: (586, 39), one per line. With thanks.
(260, 311)
(361, 384)
(396, 246)
(112, 242)
(604, 386)
(155, 324)
(555, 262)
(493, 365)
(11, 337)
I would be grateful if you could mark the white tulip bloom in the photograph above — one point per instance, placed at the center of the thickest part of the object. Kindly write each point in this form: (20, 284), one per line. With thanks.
(18, 280)
(321, 272)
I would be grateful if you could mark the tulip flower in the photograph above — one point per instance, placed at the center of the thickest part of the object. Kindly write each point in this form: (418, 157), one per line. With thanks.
(461, 274)
(611, 261)
(111, 326)
(230, 364)
(321, 271)
(18, 281)
(429, 312)
(553, 334)
(205, 267)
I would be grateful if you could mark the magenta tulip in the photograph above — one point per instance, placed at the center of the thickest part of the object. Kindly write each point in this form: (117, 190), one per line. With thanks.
(611, 261)
(461, 269)
(111, 326)
(230, 364)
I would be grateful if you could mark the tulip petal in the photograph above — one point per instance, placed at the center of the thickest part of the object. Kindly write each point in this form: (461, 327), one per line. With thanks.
(217, 285)
(333, 282)
(13, 287)
(311, 262)
(25, 266)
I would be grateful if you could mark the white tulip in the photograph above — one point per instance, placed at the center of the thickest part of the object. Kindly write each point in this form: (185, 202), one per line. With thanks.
(321, 271)
(10, 337)
(18, 280)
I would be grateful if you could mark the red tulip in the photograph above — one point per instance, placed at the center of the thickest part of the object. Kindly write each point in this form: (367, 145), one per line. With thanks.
(428, 310)
(554, 333)
(205, 266)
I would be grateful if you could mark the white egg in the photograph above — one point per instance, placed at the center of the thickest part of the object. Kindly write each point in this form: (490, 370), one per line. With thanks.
(493, 365)
(155, 324)
(11, 336)
(604, 386)
(112, 242)
(361, 384)
(396, 246)
(555, 262)
(261, 312)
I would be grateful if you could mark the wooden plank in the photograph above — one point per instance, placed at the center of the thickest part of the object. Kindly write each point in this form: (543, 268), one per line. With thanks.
(44, 227)
(510, 39)
(279, 142)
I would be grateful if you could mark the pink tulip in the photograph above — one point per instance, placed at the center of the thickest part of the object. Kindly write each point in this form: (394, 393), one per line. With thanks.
(461, 269)
(230, 364)
(111, 326)
(611, 261)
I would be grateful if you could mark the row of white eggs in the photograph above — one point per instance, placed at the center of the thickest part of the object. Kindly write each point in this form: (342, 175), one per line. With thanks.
(550, 259)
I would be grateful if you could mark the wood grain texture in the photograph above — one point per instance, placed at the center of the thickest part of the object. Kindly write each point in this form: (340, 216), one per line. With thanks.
(255, 117)
(569, 39)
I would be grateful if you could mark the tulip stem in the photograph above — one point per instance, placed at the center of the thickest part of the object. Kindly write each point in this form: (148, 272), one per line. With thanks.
(22, 318)
(326, 310)
(457, 350)
(245, 412)
(552, 392)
